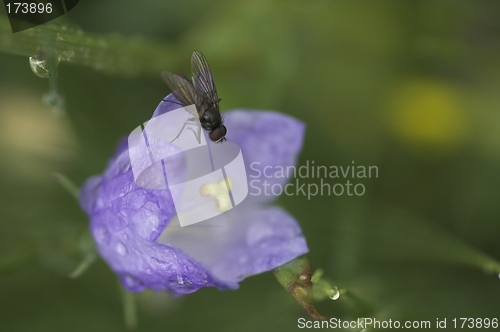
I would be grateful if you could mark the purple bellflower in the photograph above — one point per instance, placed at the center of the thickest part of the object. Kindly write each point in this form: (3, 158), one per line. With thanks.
(136, 231)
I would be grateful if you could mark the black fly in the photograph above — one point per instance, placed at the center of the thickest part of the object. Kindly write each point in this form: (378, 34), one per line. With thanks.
(201, 92)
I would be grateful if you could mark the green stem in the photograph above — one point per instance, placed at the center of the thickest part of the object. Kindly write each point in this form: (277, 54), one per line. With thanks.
(69, 186)
(295, 277)
(113, 53)
(84, 265)
(362, 305)
(129, 309)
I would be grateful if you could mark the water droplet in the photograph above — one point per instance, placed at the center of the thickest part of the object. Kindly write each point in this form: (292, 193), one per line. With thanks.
(178, 281)
(39, 66)
(132, 283)
(55, 101)
(153, 222)
(334, 293)
(121, 249)
(161, 264)
(68, 54)
(188, 284)
(101, 235)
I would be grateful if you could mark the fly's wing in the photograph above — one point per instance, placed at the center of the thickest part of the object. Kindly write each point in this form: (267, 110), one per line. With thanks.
(182, 89)
(203, 80)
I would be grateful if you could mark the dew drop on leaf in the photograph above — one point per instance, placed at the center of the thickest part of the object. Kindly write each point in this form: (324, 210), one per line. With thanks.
(39, 66)
(121, 249)
(334, 293)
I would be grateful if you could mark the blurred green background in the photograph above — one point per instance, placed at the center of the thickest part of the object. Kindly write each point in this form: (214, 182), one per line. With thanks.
(411, 87)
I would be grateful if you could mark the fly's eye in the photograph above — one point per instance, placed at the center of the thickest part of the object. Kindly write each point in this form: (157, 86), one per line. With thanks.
(218, 134)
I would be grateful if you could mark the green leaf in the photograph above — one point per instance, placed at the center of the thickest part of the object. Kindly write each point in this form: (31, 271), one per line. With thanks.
(398, 234)
(112, 53)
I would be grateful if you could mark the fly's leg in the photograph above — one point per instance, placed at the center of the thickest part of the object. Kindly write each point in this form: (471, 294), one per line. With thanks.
(197, 134)
(190, 121)
(171, 101)
(198, 137)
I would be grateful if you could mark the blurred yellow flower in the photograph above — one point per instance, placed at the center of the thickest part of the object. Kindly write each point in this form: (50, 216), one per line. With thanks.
(33, 143)
(427, 114)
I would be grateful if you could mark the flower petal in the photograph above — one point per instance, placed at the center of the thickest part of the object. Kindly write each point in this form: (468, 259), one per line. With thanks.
(169, 103)
(241, 242)
(88, 193)
(126, 220)
(269, 141)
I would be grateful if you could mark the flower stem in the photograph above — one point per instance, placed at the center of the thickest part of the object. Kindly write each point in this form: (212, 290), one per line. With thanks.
(84, 265)
(295, 277)
(66, 183)
(113, 53)
(129, 309)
